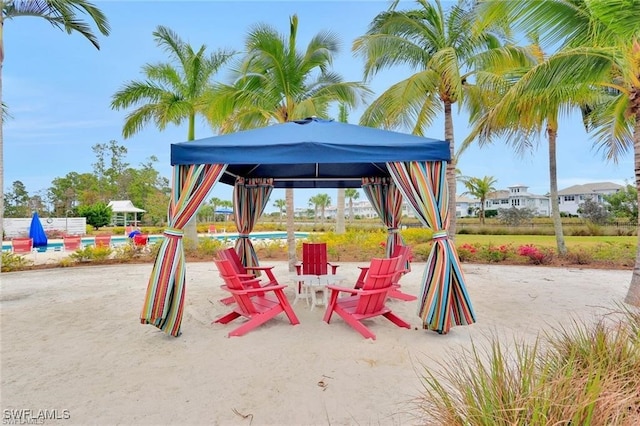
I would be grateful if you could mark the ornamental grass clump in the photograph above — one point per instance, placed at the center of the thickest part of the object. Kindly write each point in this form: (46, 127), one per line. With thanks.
(582, 374)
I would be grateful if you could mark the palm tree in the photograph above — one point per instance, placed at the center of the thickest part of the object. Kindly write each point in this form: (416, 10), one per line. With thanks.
(313, 202)
(343, 117)
(322, 201)
(440, 46)
(351, 194)
(479, 188)
(215, 202)
(599, 50)
(280, 204)
(513, 117)
(171, 92)
(276, 82)
(62, 14)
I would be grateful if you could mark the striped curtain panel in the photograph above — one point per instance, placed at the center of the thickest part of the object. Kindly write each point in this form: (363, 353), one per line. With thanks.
(444, 301)
(164, 302)
(386, 199)
(250, 197)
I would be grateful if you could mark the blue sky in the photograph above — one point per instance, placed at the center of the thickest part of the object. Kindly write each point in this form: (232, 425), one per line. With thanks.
(58, 89)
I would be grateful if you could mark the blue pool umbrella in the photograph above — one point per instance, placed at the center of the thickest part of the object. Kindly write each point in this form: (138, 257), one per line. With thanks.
(36, 232)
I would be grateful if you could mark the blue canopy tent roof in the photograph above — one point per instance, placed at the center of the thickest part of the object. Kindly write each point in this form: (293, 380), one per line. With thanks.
(310, 153)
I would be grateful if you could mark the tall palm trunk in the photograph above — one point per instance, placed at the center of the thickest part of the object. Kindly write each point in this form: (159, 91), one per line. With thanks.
(191, 229)
(340, 229)
(451, 169)
(552, 135)
(633, 295)
(1, 125)
(291, 237)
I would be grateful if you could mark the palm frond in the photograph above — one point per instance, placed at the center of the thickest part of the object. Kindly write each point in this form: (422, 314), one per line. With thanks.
(62, 14)
(613, 126)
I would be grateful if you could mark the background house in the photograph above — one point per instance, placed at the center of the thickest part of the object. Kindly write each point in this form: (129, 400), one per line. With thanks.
(571, 197)
(518, 196)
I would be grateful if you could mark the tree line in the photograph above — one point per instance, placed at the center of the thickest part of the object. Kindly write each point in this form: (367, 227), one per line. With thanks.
(112, 178)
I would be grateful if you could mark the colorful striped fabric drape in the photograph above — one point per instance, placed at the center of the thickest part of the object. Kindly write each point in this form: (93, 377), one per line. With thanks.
(164, 301)
(386, 199)
(250, 197)
(444, 299)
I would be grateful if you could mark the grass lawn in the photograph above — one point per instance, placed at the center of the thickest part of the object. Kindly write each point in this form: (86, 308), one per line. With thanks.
(572, 242)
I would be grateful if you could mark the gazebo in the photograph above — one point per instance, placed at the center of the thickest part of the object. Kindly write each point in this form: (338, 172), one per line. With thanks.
(313, 153)
(121, 209)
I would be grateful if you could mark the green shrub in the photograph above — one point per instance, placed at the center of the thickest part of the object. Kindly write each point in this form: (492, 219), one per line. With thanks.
(580, 257)
(91, 254)
(535, 255)
(467, 252)
(97, 215)
(14, 262)
(207, 248)
(494, 254)
(414, 236)
(125, 252)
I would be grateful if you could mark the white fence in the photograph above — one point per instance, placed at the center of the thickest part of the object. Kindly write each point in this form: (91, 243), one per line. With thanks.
(19, 227)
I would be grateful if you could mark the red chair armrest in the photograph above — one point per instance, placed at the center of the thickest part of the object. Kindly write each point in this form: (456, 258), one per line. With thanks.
(259, 268)
(344, 289)
(254, 290)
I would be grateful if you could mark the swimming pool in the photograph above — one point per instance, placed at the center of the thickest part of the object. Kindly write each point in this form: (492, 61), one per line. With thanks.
(117, 240)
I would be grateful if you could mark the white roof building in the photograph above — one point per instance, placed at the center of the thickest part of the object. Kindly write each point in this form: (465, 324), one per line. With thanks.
(121, 210)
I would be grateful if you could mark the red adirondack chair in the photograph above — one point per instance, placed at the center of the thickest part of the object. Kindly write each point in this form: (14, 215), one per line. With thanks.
(244, 273)
(231, 255)
(404, 253)
(369, 301)
(314, 260)
(250, 304)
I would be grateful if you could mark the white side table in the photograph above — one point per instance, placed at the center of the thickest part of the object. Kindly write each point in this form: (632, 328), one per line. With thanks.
(308, 287)
(323, 282)
(302, 285)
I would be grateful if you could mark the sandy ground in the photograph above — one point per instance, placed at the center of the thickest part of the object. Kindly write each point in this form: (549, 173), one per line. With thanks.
(71, 342)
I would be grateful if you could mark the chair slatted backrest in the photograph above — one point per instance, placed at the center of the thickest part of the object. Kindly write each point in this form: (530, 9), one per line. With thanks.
(21, 245)
(103, 240)
(233, 282)
(314, 259)
(231, 255)
(402, 253)
(381, 274)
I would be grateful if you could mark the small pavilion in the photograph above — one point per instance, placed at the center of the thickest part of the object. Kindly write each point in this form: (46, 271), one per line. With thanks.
(121, 210)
